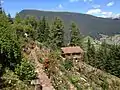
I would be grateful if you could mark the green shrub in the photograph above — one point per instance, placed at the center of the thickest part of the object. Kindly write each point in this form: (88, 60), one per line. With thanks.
(25, 70)
(68, 64)
(12, 82)
(74, 79)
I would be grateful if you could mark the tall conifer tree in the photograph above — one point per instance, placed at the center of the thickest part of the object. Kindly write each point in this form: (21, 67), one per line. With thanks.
(57, 32)
(43, 30)
(75, 35)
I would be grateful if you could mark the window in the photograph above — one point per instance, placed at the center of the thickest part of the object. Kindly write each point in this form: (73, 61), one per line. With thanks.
(78, 53)
(68, 54)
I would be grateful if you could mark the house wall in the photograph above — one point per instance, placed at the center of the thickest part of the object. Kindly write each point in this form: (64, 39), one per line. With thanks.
(68, 56)
(73, 56)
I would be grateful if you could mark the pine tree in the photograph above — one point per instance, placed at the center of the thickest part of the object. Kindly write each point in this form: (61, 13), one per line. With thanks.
(0, 7)
(24, 26)
(91, 53)
(102, 56)
(17, 19)
(43, 30)
(31, 20)
(10, 18)
(9, 44)
(19, 26)
(31, 26)
(75, 35)
(114, 60)
(11, 56)
(57, 33)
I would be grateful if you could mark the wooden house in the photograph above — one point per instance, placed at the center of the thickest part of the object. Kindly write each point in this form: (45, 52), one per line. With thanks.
(74, 52)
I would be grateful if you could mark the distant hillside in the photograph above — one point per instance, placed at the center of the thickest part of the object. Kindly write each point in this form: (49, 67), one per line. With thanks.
(115, 39)
(88, 24)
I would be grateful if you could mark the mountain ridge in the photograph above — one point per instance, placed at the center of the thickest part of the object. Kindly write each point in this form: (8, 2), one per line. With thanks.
(65, 12)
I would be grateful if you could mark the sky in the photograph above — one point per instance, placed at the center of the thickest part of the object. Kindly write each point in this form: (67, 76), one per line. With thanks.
(100, 8)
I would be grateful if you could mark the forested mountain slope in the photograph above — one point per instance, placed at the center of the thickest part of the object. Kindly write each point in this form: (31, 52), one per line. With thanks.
(89, 25)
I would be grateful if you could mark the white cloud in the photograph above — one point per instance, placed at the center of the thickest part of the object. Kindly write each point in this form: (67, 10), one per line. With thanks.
(74, 1)
(107, 14)
(110, 15)
(60, 6)
(96, 6)
(93, 11)
(104, 14)
(115, 15)
(2, 1)
(100, 12)
(110, 4)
